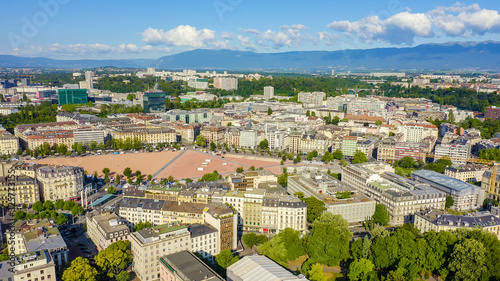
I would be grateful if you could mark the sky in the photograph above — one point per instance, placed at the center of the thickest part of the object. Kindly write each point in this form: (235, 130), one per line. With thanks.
(111, 29)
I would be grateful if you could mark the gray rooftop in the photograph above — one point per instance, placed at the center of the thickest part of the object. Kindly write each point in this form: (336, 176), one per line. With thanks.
(197, 230)
(151, 204)
(190, 267)
(443, 180)
(258, 268)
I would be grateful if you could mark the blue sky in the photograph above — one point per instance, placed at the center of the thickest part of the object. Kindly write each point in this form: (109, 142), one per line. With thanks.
(78, 29)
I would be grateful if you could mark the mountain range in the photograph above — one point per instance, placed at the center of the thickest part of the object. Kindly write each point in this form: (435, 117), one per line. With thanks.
(448, 56)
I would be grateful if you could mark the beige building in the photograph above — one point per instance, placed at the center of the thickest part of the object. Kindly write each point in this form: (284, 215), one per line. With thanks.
(213, 134)
(9, 144)
(441, 221)
(386, 150)
(251, 179)
(404, 197)
(146, 135)
(182, 212)
(467, 174)
(106, 229)
(149, 244)
(60, 182)
(358, 176)
(24, 187)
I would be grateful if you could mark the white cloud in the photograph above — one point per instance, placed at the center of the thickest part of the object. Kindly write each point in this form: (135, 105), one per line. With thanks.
(182, 35)
(289, 36)
(328, 38)
(87, 50)
(227, 35)
(404, 27)
(246, 43)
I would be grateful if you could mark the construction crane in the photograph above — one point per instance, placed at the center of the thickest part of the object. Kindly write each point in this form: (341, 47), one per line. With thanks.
(30, 76)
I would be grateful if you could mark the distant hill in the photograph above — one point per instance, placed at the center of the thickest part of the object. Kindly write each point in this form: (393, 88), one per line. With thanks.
(448, 56)
(14, 61)
(473, 56)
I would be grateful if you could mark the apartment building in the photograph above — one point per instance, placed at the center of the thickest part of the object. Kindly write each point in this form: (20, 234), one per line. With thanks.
(136, 210)
(276, 140)
(60, 182)
(188, 116)
(472, 173)
(38, 235)
(232, 138)
(417, 132)
(204, 240)
(146, 135)
(292, 142)
(466, 196)
(9, 144)
(213, 134)
(87, 135)
(249, 138)
(314, 141)
(349, 145)
(438, 220)
(358, 176)
(404, 197)
(457, 152)
(314, 99)
(386, 150)
(149, 244)
(414, 150)
(185, 266)
(225, 219)
(251, 179)
(36, 265)
(356, 208)
(226, 83)
(106, 229)
(188, 132)
(182, 212)
(493, 191)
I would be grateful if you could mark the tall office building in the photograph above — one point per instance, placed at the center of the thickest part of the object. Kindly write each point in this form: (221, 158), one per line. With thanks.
(268, 92)
(73, 96)
(89, 75)
(154, 101)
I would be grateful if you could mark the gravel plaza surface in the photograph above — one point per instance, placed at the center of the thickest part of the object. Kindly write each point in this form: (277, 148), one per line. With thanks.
(186, 165)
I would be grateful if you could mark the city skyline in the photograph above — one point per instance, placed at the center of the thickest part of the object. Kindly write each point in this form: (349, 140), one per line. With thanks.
(65, 29)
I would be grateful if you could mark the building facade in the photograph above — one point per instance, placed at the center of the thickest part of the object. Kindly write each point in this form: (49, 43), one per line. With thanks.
(59, 182)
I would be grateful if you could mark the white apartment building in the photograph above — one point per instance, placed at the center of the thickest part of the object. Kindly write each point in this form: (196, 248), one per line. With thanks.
(204, 240)
(466, 174)
(314, 99)
(418, 132)
(268, 92)
(358, 176)
(457, 152)
(276, 140)
(248, 138)
(149, 244)
(60, 182)
(136, 210)
(324, 187)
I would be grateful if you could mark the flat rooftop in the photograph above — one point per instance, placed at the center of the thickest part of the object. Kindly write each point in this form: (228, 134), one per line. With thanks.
(191, 268)
(443, 180)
